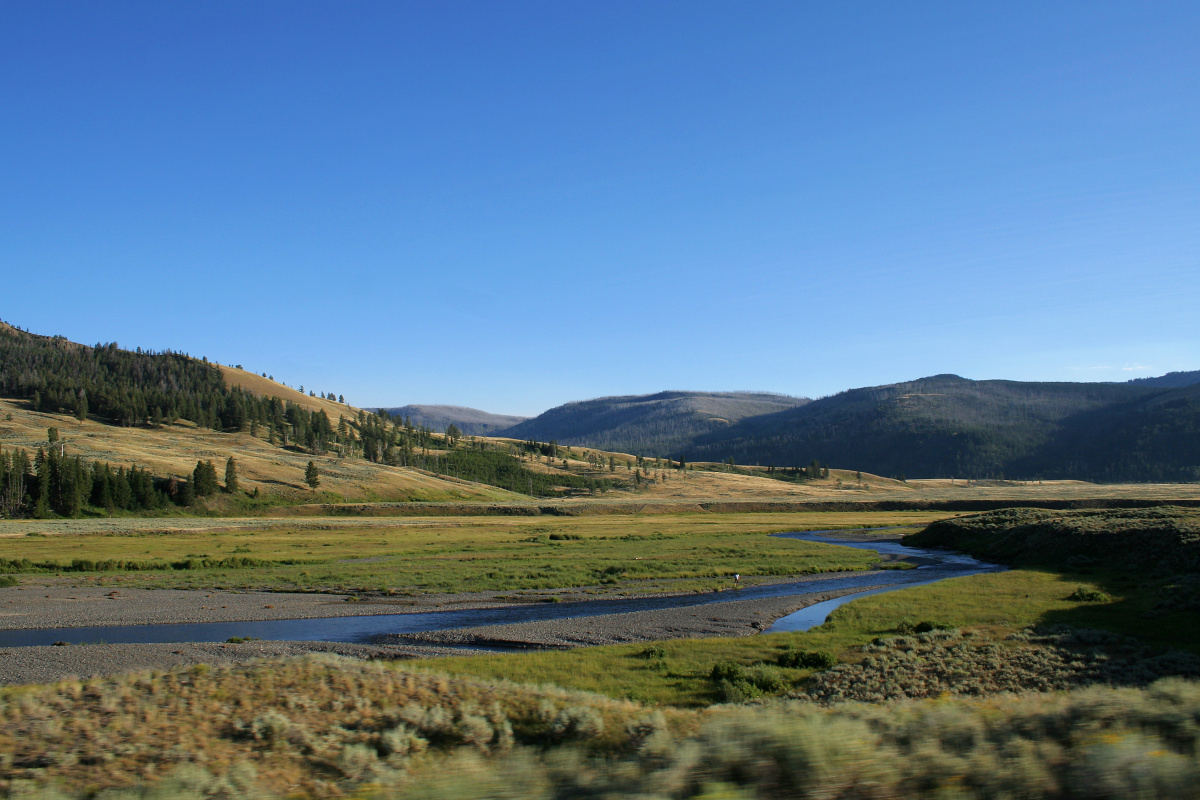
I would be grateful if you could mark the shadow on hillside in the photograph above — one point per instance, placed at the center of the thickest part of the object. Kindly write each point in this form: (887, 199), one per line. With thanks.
(1131, 612)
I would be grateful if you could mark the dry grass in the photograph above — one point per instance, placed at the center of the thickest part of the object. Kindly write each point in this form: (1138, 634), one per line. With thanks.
(175, 449)
(313, 727)
(327, 727)
(265, 387)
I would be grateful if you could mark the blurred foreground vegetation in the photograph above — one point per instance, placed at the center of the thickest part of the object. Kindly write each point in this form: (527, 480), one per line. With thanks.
(327, 727)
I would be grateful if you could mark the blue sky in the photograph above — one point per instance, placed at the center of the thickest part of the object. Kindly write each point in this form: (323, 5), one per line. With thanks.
(514, 205)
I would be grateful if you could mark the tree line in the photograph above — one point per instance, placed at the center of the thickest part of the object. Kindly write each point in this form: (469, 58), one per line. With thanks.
(52, 483)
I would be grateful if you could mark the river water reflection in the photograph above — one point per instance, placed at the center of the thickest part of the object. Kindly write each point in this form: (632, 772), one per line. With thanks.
(368, 629)
(940, 564)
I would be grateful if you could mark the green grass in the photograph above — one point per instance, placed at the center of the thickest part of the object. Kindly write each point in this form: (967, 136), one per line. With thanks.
(997, 602)
(652, 553)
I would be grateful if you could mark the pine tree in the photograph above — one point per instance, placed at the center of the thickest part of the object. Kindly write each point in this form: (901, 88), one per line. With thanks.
(231, 476)
(41, 508)
(186, 495)
(311, 476)
(204, 479)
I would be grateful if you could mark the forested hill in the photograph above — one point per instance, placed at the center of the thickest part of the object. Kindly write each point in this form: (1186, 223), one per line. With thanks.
(655, 425)
(947, 426)
(470, 421)
(122, 386)
(1171, 379)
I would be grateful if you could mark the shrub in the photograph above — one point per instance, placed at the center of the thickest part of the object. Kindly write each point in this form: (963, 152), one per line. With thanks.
(807, 659)
(725, 671)
(736, 684)
(925, 626)
(1086, 594)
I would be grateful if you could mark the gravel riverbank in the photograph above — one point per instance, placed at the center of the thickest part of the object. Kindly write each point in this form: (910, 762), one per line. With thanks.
(733, 618)
(64, 606)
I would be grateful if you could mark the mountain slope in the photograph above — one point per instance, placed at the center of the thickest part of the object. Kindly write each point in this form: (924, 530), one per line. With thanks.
(657, 424)
(1171, 379)
(1155, 438)
(174, 449)
(266, 387)
(946, 426)
(471, 421)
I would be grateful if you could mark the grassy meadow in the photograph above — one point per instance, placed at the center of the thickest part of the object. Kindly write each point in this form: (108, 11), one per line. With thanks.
(994, 605)
(636, 553)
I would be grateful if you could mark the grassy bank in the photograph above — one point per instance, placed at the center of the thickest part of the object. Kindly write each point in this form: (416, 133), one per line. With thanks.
(994, 605)
(656, 553)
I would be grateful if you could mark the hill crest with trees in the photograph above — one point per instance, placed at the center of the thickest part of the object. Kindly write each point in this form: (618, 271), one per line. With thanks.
(655, 424)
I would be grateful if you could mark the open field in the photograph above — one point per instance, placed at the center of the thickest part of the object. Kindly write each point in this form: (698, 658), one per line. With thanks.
(619, 553)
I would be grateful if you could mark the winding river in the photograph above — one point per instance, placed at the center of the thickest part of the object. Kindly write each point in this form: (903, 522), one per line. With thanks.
(936, 565)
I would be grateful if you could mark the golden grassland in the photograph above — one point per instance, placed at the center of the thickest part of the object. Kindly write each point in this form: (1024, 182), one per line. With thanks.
(275, 471)
(265, 387)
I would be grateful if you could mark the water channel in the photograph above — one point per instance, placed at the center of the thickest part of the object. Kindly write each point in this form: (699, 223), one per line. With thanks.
(936, 565)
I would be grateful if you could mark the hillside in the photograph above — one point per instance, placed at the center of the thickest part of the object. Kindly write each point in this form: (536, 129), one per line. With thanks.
(655, 425)
(173, 450)
(946, 426)
(1173, 380)
(471, 421)
(1162, 540)
(265, 387)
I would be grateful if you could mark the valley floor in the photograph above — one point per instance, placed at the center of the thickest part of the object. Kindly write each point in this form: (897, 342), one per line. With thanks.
(36, 607)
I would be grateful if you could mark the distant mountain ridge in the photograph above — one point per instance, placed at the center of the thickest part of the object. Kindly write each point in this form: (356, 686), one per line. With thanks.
(471, 421)
(1172, 379)
(655, 424)
(948, 426)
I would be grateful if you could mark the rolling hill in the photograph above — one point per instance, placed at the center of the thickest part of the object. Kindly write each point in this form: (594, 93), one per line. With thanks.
(471, 421)
(656, 425)
(946, 426)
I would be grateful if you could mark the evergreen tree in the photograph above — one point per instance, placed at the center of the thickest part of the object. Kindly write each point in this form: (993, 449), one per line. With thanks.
(311, 476)
(186, 493)
(41, 507)
(204, 479)
(231, 476)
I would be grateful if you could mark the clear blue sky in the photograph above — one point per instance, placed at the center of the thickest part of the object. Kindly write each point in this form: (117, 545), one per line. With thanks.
(513, 205)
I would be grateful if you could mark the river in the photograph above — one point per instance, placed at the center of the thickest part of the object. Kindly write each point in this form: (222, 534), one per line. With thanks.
(938, 565)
